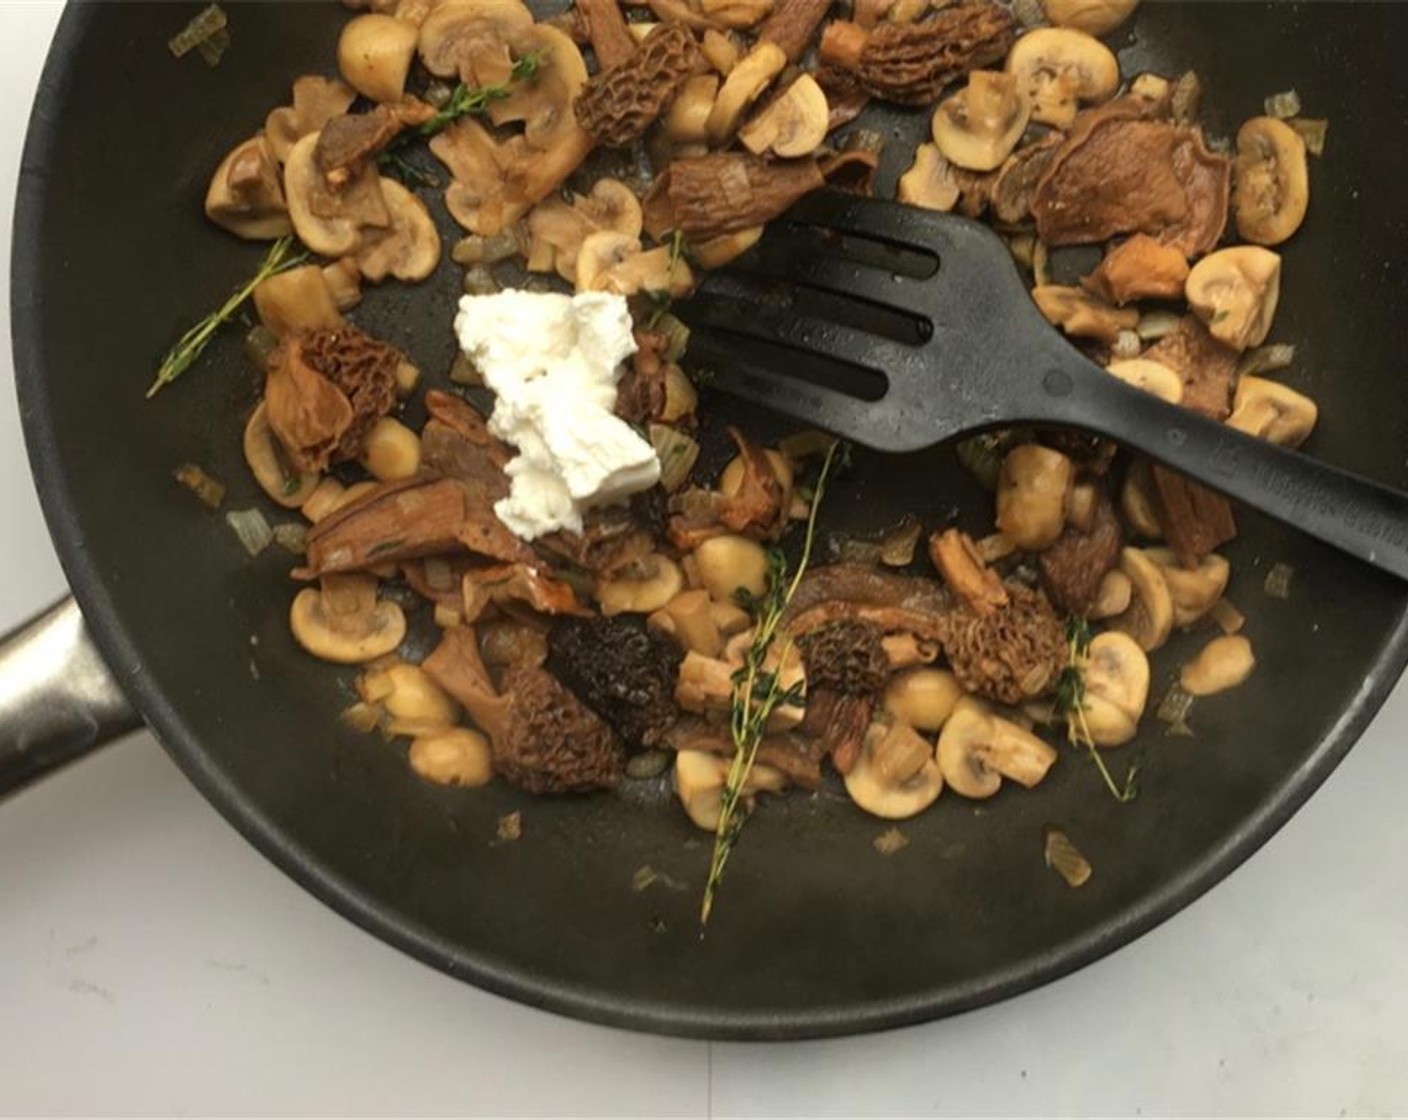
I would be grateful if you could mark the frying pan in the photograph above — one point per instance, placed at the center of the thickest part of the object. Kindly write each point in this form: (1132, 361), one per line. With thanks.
(816, 932)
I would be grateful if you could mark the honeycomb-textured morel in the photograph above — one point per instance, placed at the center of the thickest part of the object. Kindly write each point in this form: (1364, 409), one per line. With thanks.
(552, 742)
(845, 657)
(911, 63)
(1012, 655)
(363, 368)
(618, 105)
(621, 670)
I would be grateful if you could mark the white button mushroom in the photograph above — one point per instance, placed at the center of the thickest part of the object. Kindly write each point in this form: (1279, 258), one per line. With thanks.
(455, 757)
(1272, 411)
(728, 564)
(270, 465)
(642, 587)
(1116, 688)
(1270, 181)
(1192, 590)
(344, 622)
(895, 776)
(922, 697)
(745, 83)
(1031, 495)
(1060, 67)
(978, 749)
(792, 125)
(415, 703)
(374, 55)
(245, 195)
(1223, 663)
(687, 118)
(700, 778)
(1149, 617)
(1234, 292)
(930, 181)
(391, 450)
(977, 127)
(1094, 17)
(299, 299)
(1151, 376)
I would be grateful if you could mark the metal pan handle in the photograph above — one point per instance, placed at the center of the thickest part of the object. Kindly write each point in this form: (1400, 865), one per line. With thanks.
(58, 701)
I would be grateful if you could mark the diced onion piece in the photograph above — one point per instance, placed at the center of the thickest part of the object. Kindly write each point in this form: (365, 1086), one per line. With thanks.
(676, 336)
(447, 617)
(897, 547)
(212, 49)
(1128, 344)
(1065, 859)
(259, 345)
(1278, 581)
(1173, 710)
(476, 249)
(362, 716)
(1154, 325)
(981, 456)
(1266, 359)
(251, 528)
(465, 372)
(439, 574)
(804, 445)
(677, 453)
(1186, 97)
(208, 490)
(479, 281)
(1312, 131)
(206, 23)
(890, 841)
(1029, 13)
(1227, 616)
(1284, 105)
(291, 535)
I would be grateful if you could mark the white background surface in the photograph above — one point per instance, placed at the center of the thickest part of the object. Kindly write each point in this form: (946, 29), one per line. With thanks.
(151, 962)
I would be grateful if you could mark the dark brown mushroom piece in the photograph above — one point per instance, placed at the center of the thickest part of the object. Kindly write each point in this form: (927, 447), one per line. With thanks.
(729, 191)
(911, 63)
(846, 97)
(619, 104)
(1208, 369)
(796, 756)
(1012, 655)
(316, 100)
(792, 25)
(607, 31)
(1015, 183)
(456, 442)
(846, 670)
(1072, 568)
(1121, 172)
(640, 393)
(622, 670)
(858, 592)
(1195, 520)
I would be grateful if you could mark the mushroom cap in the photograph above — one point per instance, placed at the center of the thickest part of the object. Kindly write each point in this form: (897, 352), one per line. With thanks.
(471, 39)
(1116, 688)
(1234, 292)
(1270, 181)
(979, 126)
(343, 621)
(409, 249)
(374, 55)
(930, 181)
(962, 750)
(296, 299)
(1272, 411)
(1149, 618)
(1223, 663)
(1094, 17)
(900, 790)
(1193, 590)
(245, 195)
(453, 757)
(268, 462)
(792, 125)
(329, 237)
(1060, 66)
(699, 783)
(1149, 375)
(1032, 488)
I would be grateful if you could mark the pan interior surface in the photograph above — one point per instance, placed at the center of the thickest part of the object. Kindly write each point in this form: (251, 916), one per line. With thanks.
(816, 932)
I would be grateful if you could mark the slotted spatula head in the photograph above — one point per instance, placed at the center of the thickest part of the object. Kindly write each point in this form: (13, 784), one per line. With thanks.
(889, 325)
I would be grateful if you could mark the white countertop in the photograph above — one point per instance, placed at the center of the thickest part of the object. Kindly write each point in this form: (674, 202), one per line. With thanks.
(151, 962)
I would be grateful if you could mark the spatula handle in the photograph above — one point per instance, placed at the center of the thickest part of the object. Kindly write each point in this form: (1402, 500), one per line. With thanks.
(1356, 515)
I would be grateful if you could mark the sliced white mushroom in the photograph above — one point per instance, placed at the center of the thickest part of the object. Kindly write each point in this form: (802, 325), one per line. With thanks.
(1270, 181)
(642, 587)
(700, 778)
(744, 85)
(1113, 596)
(1094, 17)
(895, 776)
(374, 55)
(455, 757)
(1234, 292)
(1192, 590)
(1149, 617)
(728, 564)
(1116, 688)
(1151, 376)
(922, 697)
(270, 465)
(1060, 68)
(408, 249)
(930, 181)
(329, 237)
(689, 618)
(245, 194)
(343, 620)
(977, 749)
(1031, 495)
(687, 118)
(1223, 663)
(977, 127)
(792, 125)
(1272, 411)
(1082, 315)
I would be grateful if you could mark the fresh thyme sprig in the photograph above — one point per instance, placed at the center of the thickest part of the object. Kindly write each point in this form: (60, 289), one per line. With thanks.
(758, 691)
(1070, 704)
(190, 346)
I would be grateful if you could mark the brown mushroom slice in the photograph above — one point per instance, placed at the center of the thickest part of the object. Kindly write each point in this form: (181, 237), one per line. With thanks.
(1081, 315)
(1207, 367)
(1223, 663)
(470, 39)
(1149, 618)
(1270, 181)
(1272, 411)
(1195, 520)
(793, 124)
(614, 262)
(269, 463)
(543, 107)
(930, 181)
(316, 100)
(1235, 292)
(343, 621)
(977, 750)
(245, 196)
(1139, 268)
(1116, 680)
(896, 776)
(1015, 182)
(979, 126)
(1193, 590)
(1094, 17)
(1060, 68)
(296, 300)
(374, 55)
(607, 31)
(743, 86)
(482, 197)
(731, 191)
(409, 249)
(556, 229)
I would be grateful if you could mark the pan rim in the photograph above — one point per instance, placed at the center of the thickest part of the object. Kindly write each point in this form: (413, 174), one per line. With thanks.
(593, 1004)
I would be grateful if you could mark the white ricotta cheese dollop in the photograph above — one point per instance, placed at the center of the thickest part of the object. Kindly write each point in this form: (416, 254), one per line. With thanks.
(553, 362)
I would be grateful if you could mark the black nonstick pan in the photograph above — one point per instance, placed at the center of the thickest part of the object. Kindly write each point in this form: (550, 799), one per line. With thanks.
(816, 933)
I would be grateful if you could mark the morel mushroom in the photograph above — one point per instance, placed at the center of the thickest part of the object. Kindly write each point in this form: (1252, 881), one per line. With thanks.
(622, 670)
(619, 104)
(1013, 654)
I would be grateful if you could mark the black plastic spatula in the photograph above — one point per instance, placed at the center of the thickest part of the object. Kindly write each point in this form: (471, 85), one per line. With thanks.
(898, 328)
